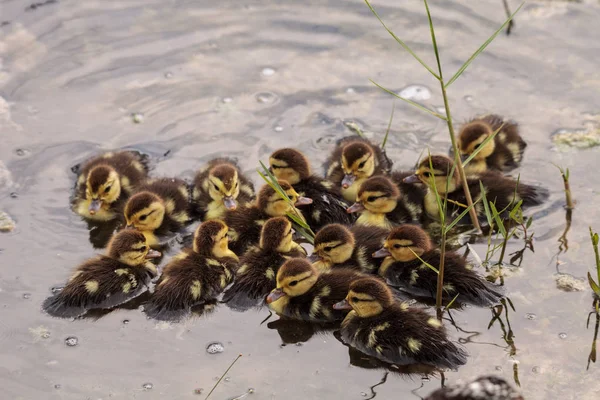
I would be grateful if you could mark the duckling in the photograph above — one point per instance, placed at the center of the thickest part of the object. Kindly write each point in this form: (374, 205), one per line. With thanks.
(328, 206)
(408, 246)
(259, 265)
(246, 222)
(383, 203)
(392, 331)
(105, 182)
(107, 281)
(338, 246)
(302, 293)
(503, 191)
(503, 153)
(195, 276)
(160, 206)
(483, 388)
(220, 186)
(353, 161)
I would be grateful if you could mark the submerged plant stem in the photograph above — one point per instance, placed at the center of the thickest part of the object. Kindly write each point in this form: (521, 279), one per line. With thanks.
(222, 376)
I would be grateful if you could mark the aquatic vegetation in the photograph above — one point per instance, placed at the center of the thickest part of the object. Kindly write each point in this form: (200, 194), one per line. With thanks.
(565, 176)
(593, 284)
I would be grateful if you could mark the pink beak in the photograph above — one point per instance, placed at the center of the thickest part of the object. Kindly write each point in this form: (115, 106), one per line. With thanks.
(342, 305)
(356, 207)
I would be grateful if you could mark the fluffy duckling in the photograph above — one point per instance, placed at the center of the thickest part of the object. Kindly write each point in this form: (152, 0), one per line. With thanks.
(195, 276)
(338, 246)
(503, 191)
(403, 268)
(258, 266)
(382, 203)
(503, 153)
(328, 205)
(105, 182)
(220, 186)
(302, 293)
(353, 161)
(104, 282)
(392, 331)
(160, 206)
(246, 222)
(483, 388)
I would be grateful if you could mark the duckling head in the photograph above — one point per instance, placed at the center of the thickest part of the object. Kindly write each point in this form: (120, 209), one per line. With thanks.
(436, 170)
(130, 247)
(405, 243)
(334, 244)
(358, 162)
(367, 297)
(276, 235)
(378, 195)
(144, 211)
(294, 278)
(289, 165)
(271, 202)
(103, 186)
(472, 135)
(223, 185)
(211, 238)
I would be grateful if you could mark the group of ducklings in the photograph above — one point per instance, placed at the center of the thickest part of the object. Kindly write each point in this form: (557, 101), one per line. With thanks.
(245, 251)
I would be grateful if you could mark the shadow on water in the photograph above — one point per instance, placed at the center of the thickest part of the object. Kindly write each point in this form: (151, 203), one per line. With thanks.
(500, 313)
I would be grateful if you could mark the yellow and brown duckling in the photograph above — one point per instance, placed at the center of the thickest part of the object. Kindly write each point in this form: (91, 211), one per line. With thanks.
(195, 276)
(328, 205)
(160, 206)
(305, 294)
(353, 161)
(382, 203)
(259, 265)
(105, 182)
(502, 153)
(107, 281)
(408, 248)
(382, 327)
(246, 222)
(503, 191)
(337, 246)
(220, 186)
(483, 388)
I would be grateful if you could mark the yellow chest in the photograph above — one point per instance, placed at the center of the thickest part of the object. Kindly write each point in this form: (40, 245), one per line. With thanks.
(280, 305)
(351, 193)
(431, 206)
(215, 210)
(372, 219)
(385, 265)
(476, 167)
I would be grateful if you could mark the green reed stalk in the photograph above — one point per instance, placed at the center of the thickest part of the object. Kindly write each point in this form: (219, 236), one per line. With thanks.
(222, 376)
(565, 176)
(595, 285)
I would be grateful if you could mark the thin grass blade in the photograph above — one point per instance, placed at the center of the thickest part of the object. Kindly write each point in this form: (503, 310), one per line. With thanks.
(387, 132)
(420, 107)
(593, 284)
(498, 219)
(425, 262)
(452, 301)
(480, 49)
(482, 145)
(486, 206)
(461, 216)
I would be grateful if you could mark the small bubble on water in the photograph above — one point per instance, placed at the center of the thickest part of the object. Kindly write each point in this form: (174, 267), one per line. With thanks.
(278, 128)
(227, 100)
(363, 394)
(350, 90)
(468, 98)
(198, 391)
(71, 341)
(562, 335)
(415, 92)
(21, 152)
(57, 386)
(267, 71)
(215, 348)
(14, 195)
(498, 368)
(265, 97)
(425, 379)
(536, 370)
(168, 75)
(250, 390)
(56, 289)
(147, 386)
(26, 296)
(530, 316)
(125, 321)
(137, 118)
(45, 335)
(299, 344)
(227, 379)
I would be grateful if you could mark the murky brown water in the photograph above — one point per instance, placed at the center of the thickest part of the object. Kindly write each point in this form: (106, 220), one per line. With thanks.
(72, 73)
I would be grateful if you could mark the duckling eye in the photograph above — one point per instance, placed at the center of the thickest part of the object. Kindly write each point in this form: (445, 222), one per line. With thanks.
(427, 174)
(355, 299)
(215, 186)
(328, 249)
(107, 189)
(361, 165)
(397, 246)
(371, 199)
(476, 146)
(293, 283)
(143, 217)
(143, 248)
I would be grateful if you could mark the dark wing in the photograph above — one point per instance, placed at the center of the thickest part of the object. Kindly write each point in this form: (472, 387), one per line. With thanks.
(328, 206)
(245, 225)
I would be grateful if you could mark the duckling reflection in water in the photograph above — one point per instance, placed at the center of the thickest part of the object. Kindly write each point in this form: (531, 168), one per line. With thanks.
(107, 281)
(195, 276)
(259, 265)
(392, 331)
(105, 182)
(220, 186)
(483, 388)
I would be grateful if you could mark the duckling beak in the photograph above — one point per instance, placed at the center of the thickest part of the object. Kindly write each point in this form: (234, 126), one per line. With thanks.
(153, 254)
(383, 252)
(342, 305)
(356, 207)
(348, 181)
(411, 179)
(95, 206)
(314, 257)
(230, 203)
(302, 201)
(274, 295)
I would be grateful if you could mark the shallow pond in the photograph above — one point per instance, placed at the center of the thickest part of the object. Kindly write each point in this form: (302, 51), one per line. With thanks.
(210, 78)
